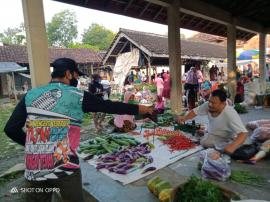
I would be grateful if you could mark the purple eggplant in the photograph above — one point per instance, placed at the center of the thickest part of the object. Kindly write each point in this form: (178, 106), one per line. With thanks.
(100, 166)
(109, 165)
(111, 169)
(120, 171)
(148, 169)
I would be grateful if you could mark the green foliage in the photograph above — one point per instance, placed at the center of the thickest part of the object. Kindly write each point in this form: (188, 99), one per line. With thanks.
(79, 45)
(7, 146)
(151, 87)
(198, 190)
(240, 108)
(87, 118)
(98, 36)
(248, 178)
(62, 29)
(13, 36)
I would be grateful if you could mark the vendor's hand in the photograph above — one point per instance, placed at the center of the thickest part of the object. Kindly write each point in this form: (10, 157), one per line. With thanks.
(229, 149)
(145, 109)
(181, 119)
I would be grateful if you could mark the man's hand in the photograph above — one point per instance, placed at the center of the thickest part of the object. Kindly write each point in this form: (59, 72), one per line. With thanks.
(229, 149)
(181, 119)
(145, 109)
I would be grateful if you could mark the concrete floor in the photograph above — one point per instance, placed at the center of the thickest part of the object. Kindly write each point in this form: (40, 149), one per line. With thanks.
(104, 189)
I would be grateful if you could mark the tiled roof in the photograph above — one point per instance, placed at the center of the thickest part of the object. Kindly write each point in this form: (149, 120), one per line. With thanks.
(158, 44)
(19, 54)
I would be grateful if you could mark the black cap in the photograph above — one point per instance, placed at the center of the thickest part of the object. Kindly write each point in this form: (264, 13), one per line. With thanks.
(64, 64)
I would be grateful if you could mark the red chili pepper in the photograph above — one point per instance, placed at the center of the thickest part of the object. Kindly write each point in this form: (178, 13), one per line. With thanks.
(179, 142)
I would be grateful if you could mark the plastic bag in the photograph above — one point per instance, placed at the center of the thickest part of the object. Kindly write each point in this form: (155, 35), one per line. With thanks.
(245, 152)
(214, 167)
(259, 123)
(260, 134)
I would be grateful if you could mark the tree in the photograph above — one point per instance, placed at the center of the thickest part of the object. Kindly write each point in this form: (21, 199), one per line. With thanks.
(79, 45)
(98, 36)
(62, 30)
(14, 36)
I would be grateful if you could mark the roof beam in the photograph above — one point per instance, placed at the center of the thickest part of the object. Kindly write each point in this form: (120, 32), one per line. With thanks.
(128, 5)
(144, 9)
(164, 3)
(207, 11)
(158, 13)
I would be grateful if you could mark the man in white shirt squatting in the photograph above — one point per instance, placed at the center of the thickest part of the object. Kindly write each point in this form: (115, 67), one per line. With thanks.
(225, 126)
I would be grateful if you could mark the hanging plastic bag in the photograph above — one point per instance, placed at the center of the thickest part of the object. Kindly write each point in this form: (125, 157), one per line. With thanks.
(245, 152)
(214, 167)
(260, 134)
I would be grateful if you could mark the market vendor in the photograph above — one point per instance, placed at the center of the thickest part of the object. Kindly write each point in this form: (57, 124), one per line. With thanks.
(225, 126)
(47, 123)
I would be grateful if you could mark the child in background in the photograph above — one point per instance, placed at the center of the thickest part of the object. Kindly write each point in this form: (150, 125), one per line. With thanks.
(159, 105)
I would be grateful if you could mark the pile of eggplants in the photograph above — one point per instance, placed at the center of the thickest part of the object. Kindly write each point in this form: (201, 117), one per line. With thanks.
(126, 160)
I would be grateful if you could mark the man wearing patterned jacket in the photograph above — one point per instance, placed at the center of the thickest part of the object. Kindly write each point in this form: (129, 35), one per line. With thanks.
(52, 115)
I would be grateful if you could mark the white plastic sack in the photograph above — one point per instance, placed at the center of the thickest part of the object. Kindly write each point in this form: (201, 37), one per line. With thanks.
(259, 123)
(260, 134)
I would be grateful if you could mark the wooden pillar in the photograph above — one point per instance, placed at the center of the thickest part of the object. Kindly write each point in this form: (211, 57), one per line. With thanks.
(149, 70)
(262, 67)
(231, 55)
(37, 42)
(175, 56)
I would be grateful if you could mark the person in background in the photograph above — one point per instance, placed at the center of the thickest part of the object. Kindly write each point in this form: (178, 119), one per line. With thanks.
(106, 87)
(96, 88)
(191, 87)
(143, 77)
(240, 90)
(159, 107)
(249, 71)
(213, 73)
(125, 123)
(131, 78)
(25, 87)
(47, 122)
(225, 125)
(166, 88)
(159, 84)
(269, 73)
(162, 73)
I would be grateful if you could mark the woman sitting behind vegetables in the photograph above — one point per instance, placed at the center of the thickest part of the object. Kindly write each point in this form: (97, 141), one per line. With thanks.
(125, 123)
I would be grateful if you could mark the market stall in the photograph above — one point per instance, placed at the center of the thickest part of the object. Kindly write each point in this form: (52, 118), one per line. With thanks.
(132, 156)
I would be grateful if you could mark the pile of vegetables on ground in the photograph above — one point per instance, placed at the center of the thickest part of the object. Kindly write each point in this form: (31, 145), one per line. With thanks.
(127, 160)
(178, 142)
(189, 127)
(107, 144)
(247, 178)
(198, 190)
(165, 119)
(240, 108)
(151, 87)
(160, 188)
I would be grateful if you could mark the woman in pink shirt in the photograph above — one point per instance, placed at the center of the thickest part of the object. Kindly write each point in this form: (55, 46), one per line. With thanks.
(159, 83)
